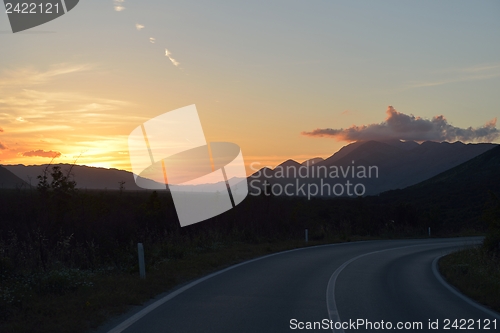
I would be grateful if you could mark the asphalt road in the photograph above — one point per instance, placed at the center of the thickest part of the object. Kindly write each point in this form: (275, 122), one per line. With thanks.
(378, 281)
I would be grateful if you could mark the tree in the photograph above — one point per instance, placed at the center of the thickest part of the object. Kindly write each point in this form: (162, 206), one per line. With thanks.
(122, 186)
(60, 184)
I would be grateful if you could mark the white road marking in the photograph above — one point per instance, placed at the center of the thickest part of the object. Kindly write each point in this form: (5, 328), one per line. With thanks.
(131, 320)
(330, 297)
(331, 304)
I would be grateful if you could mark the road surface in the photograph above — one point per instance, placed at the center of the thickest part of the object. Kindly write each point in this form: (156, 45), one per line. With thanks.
(360, 286)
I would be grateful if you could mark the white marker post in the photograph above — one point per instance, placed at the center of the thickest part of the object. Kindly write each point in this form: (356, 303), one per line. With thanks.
(142, 266)
(429, 231)
(307, 235)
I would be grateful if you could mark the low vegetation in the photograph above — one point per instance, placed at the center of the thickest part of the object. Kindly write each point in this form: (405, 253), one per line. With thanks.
(79, 301)
(476, 271)
(68, 257)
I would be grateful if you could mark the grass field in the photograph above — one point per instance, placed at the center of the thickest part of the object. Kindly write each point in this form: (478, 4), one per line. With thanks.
(99, 295)
(78, 300)
(68, 258)
(476, 273)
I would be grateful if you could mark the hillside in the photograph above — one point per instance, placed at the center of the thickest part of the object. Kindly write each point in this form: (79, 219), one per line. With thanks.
(460, 193)
(86, 177)
(8, 180)
(399, 164)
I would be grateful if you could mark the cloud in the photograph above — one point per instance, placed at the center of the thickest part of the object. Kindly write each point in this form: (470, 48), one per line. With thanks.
(152, 40)
(30, 76)
(408, 127)
(36, 110)
(42, 153)
(118, 4)
(477, 77)
(474, 73)
(56, 119)
(480, 68)
(41, 128)
(1, 130)
(169, 55)
(139, 26)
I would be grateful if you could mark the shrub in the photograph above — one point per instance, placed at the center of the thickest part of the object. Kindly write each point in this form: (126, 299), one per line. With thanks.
(491, 242)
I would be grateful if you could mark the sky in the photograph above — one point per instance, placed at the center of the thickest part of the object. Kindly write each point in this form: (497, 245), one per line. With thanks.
(282, 79)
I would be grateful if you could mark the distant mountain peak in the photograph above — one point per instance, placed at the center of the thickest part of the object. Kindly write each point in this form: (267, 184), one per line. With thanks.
(399, 163)
(313, 161)
(289, 162)
(85, 176)
(432, 143)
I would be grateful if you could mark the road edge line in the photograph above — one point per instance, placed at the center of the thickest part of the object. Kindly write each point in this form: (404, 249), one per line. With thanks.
(134, 318)
(331, 304)
(455, 291)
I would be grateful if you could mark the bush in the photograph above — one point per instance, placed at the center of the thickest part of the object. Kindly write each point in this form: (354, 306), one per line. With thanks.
(64, 280)
(491, 242)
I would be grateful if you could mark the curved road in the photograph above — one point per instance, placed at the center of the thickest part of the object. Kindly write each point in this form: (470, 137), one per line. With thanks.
(381, 282)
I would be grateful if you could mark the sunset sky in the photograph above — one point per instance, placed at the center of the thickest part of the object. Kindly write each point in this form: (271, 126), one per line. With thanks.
(282, 79)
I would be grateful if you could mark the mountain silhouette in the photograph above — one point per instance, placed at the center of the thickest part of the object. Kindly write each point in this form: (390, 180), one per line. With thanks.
(85, 176)
(290, 163)
(8, 180)
(458, 194)
(313, 161)
(398, 165)
(395, 164)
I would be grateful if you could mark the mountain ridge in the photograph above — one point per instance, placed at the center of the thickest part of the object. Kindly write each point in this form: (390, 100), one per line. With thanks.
(457, 194)
(401, 164)
(85, 176)
(8, 180)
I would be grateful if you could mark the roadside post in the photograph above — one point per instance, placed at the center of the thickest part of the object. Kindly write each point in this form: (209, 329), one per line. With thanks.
(142, 266)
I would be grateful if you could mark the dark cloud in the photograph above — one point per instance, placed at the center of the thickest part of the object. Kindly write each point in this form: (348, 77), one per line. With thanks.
(408, 127)
(2, 146)
(42, 153)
